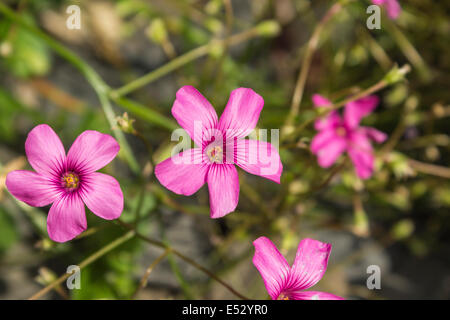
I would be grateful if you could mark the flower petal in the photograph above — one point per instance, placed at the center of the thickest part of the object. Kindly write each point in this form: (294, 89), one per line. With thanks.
(331, 121)
(260, 158)
(310, 264)
(313, 295)
(66, 218)
(184, 173)
(92, 151)
(192, 110)
(32, 188)
(361, 154)
(321, 139)
(320, 101)
(223, 185)
(363, 162)
(328, 148)
(44, 150)
(375, 134)
(393, 9)
(272, 266)
(241, 113)
(356, 110)
(102, 195)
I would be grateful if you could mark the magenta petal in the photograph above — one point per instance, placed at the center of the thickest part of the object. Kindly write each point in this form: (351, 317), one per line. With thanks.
(184, 173)
(356, 110)
(32, 188)
(66, 218)
(223, 185)
(102, 195)
(92, 151)
(260, 158)
(322, 139)
(314, 295)
(272, 266)
(320, 101)
(393, 9)
(44, 150)
(361, 154)
(375, 134)
(310, 264)
(241, 113)
(192, 110)
(363, 162)
(331, 121)
(328, 153)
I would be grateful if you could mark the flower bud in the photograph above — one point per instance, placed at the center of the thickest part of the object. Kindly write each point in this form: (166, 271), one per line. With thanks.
(268, 28)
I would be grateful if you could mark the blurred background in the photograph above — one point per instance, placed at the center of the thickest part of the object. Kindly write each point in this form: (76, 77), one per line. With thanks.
(398, 220)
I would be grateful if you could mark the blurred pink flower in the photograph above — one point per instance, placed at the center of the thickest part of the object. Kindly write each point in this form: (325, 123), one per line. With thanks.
(337, 135)
(288, 283)
(221, 144)
(69, 181)
(392, 7)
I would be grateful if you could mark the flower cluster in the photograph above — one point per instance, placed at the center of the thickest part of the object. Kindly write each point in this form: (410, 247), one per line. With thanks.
(70, 181)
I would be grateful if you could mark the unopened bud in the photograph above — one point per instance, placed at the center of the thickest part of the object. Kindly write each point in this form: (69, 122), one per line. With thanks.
(397, 74)
(125, 124)
(268, 28)
(157, 31)
(402, 229)
(214, 25)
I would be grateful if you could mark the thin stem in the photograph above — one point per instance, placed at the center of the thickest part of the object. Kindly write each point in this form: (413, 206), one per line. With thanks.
(396, 135)
(409, 50)
(144, 279)
(311, 48)
(92, 258)
(91, 76)
(179, 62)
(162, 245)
(428, 168)
(330, 177)
(376, 87)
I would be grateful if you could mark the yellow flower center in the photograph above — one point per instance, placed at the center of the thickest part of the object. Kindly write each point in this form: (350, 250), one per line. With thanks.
(283, 296)
(215, 154)
(70, 180)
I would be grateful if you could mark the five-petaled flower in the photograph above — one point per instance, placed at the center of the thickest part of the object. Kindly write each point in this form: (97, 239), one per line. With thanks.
(284, 282)
(337, 135)
(392, 7)
(68, 181)
(221, 144)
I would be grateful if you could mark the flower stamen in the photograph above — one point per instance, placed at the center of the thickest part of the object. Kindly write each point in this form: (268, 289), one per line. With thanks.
(215, 154)
(283, 296)
(70, 181)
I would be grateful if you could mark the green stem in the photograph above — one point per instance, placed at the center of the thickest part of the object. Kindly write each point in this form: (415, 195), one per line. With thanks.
(144, 279)
(386, 81)
(181, 61)
(185, 258)
(145, 113)
(100, 87)
(92, 258)
(311, 48)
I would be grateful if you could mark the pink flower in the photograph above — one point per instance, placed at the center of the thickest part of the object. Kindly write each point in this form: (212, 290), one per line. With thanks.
(288, 283)
(392, 7)
(221, 144)
(337, 135)
(68, 181)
